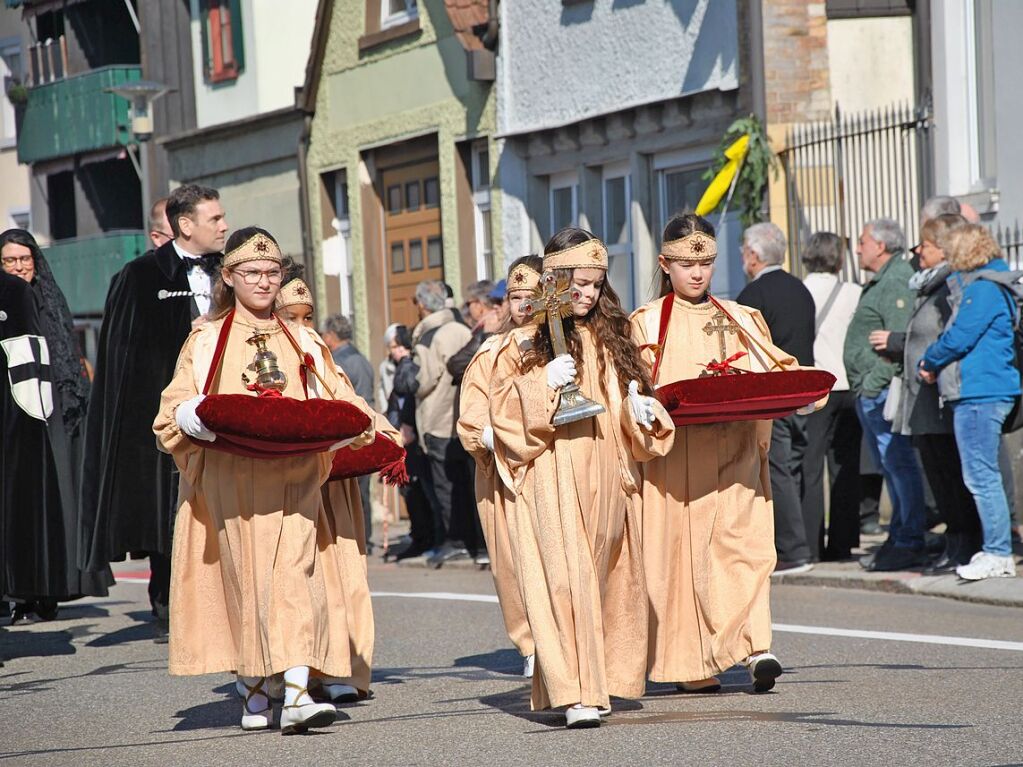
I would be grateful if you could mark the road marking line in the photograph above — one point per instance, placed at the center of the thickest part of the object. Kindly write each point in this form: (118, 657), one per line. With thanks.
(789, 628)
(895, 636)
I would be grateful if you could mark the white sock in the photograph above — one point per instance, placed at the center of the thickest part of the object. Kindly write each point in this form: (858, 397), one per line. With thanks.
(258, 700)
(296, 682)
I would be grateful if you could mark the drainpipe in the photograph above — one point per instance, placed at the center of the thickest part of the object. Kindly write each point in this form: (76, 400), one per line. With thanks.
(303, 202)
(489, 35)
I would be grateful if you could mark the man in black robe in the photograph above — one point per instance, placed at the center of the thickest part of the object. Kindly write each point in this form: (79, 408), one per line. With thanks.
(129, 488)
(33, 561)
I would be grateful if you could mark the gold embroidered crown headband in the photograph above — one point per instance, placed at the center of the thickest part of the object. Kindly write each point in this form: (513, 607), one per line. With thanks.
(294, 292)
(258, 247)
(691, 249)
(523, 277)
(587, 255)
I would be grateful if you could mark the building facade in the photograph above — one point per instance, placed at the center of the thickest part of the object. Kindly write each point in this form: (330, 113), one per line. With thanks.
(401, 155)
(609, 114)
(85, 167)
(15, 201)
(247, 59)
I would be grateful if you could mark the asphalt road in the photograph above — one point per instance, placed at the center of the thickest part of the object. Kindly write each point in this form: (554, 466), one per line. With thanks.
(872, 679)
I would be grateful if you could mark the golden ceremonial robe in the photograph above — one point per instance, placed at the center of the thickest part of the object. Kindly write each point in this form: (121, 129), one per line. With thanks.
(257, 582)
(708, 522)
(574, 527)
(347, 525)
(493, 496)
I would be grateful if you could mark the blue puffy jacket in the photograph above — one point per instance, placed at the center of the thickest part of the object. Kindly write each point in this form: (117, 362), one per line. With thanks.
(975, 353)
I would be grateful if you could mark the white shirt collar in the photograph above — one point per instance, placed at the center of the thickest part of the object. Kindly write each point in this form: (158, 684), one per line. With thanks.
(766, 269)
(182, 253)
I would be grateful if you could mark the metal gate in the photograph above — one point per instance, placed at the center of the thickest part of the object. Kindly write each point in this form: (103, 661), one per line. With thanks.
(845, 172)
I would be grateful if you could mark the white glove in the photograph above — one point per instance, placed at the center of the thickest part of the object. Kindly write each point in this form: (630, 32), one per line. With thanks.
(560, 371)
(642, 407)
(487, 438)
(188, 421)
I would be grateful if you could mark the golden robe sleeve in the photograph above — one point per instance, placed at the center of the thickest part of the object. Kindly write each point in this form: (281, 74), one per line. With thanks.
(521, 409)
(169, 438)
(474, 407)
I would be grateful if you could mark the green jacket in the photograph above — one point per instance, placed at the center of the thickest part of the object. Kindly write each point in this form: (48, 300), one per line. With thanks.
(885, 304)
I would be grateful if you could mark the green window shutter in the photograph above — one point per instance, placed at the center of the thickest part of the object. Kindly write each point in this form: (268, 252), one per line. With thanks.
(204, 26)
(237, 38)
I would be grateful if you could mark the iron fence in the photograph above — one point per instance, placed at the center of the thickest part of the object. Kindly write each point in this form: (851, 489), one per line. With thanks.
(841, 173)
(1010, 239)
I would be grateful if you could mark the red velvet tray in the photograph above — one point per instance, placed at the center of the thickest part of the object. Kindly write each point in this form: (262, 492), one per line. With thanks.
(276, 427)
(383, 456)
(743, 396)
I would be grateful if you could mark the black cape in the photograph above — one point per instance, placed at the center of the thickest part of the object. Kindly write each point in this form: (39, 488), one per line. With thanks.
(129, 488)
(33, 545)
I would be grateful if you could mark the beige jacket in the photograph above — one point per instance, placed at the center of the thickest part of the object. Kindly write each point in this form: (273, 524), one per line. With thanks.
(435, 340)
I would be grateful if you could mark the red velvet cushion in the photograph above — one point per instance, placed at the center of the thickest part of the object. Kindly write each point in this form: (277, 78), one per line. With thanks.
(370, 459)
(275, 427)
(743, 397)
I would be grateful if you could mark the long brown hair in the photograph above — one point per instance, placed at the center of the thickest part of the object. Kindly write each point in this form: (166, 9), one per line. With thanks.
(680, 225)
(608, 323)
(223, 294)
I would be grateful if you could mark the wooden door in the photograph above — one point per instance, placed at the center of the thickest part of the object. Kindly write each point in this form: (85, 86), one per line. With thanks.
(412, 241)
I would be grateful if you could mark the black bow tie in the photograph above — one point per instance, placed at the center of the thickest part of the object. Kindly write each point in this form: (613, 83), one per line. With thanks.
(209, 263)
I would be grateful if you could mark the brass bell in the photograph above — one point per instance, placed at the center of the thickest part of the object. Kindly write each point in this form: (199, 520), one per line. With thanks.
(264, 364)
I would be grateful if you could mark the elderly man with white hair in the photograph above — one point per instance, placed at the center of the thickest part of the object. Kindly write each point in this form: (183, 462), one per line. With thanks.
(789, 311)
(437, 338)
(886, 304)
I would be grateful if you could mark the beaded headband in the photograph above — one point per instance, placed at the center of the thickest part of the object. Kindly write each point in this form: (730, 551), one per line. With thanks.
(294, 292)
(587, 255)
(523, 277)
(258, 247)
(691, 249)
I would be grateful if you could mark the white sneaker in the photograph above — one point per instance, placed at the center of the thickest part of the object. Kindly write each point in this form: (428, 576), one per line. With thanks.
(983, 565)
(527, 666)
(764, 668)
(258, 720)
(579, 716)
(299, 718)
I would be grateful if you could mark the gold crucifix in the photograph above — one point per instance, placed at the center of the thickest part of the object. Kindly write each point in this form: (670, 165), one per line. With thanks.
(720, 324)
(552, 301)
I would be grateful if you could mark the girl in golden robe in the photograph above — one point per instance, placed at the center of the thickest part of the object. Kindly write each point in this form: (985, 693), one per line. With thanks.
(493, 494)
(708, 525)
(257, 585)
(347, 527)
(574, 524)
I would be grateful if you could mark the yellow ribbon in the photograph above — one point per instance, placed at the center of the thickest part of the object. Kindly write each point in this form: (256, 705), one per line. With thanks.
(720, 184)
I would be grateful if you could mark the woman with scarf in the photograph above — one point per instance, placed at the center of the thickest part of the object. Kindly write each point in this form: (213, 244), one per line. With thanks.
(46, 542)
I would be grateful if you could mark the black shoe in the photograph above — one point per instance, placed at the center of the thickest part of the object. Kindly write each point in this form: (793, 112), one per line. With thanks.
(792, 568)
(835, 555)
(448, 553)
(896, 558)
(161, 629)
(867, 560)
(934, 543)
(871, 528)
(408, 552)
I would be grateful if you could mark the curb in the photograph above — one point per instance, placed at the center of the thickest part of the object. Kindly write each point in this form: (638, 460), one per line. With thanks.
(1000, 592)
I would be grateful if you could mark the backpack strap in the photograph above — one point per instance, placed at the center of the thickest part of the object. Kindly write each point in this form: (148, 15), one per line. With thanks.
(823, 313)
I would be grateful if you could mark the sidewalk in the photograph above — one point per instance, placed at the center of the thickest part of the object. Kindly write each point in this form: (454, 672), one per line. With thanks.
(1005, 592)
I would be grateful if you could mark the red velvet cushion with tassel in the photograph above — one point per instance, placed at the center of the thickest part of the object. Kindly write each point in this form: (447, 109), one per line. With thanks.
(276, 427)
(744, 396)
(383, 456)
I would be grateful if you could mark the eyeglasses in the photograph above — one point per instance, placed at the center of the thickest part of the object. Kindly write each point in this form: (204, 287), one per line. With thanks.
(12, 260)
(254, 277)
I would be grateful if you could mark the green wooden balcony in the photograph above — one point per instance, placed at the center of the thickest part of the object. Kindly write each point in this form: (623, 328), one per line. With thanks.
(75, 115)
(84, 266)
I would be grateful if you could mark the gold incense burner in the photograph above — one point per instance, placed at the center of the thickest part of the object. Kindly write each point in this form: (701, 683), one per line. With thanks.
(264, 365)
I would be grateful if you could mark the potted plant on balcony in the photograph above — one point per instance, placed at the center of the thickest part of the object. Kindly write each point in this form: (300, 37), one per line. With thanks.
(17, 94)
